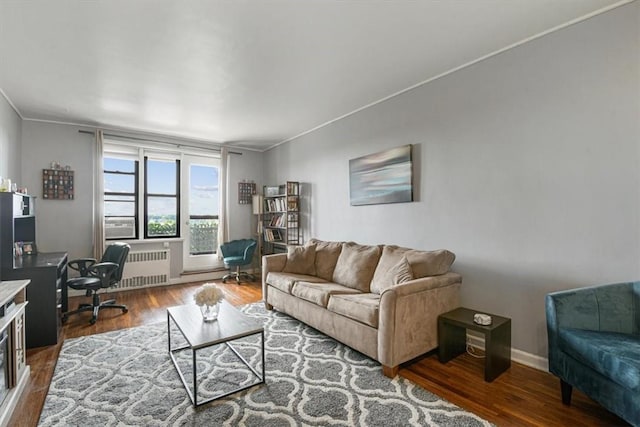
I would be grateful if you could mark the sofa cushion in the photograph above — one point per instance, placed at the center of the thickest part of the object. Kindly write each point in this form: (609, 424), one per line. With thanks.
(383, 277)
(327, 254)
(356, 265)
(319, 293)
(402, 271)
(285, 281)
(360, 307)
(301, 260)
(430, 263)
(614, 355)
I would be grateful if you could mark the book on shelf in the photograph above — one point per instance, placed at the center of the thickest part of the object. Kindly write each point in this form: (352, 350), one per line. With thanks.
(292, 188)
(277, 221)
(275, 205)
(292, 203)
(272, 235)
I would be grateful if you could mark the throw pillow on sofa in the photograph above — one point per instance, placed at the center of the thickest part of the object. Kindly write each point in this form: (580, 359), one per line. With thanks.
(301, 260)
(327, 254)
(356, 265)
(402, 271)
(431, 263)
(383, 277)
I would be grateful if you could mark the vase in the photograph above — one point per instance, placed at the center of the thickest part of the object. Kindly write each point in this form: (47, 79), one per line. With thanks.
(209, 312)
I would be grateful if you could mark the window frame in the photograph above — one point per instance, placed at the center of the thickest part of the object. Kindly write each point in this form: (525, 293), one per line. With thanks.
(146, 196)
(135, 194)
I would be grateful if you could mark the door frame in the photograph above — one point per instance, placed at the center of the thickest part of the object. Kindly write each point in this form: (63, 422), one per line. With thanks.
(195, 262)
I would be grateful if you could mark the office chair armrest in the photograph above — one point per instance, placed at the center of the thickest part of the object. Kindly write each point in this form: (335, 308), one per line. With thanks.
(103, 270)
(82, 265)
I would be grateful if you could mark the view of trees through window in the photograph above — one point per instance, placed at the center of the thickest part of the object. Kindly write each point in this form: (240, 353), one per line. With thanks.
(162, 198)
(123, 184)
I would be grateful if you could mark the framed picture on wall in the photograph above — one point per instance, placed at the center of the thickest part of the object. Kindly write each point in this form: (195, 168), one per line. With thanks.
(384, 177)
(29, 248)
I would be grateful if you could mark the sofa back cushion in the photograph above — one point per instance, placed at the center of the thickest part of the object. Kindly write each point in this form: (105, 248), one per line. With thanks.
(430, 263)
(606, 308)
(301, 260)
(327, 254)
(383, 277)
(356, 265)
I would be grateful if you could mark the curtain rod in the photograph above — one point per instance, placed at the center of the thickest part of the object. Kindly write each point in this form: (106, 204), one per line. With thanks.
(88, 132)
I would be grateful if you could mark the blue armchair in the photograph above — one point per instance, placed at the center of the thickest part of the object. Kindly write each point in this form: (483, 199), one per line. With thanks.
(594, 345)
(237, 253)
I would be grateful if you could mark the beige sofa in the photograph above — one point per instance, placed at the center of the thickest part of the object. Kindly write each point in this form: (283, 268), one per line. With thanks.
(383, 301)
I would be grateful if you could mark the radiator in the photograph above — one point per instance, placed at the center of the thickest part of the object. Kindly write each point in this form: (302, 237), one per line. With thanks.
(146, 268)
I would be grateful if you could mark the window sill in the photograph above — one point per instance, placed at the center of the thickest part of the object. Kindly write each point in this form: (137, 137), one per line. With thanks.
(147, 241)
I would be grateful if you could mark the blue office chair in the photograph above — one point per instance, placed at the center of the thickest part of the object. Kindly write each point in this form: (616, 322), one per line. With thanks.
(93, 277)
(237, 253)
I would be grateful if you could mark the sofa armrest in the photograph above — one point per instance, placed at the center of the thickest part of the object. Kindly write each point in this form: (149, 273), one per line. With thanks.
(408, 323)
(275, 262)
(426, 283)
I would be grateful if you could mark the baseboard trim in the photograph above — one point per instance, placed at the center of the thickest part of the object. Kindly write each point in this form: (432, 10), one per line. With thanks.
(198, 277)
(519, 356)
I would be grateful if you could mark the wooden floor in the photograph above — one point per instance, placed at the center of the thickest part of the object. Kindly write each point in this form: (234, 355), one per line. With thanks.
(521, 396)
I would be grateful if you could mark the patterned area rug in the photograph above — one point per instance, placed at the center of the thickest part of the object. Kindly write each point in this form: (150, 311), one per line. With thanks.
(126, 378)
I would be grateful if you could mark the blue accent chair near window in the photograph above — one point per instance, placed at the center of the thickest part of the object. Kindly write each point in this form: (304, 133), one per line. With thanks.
(237, 253)
(594, 345)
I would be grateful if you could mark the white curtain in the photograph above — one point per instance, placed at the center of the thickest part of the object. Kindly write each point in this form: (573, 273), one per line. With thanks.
(98, 197)
(223, 223)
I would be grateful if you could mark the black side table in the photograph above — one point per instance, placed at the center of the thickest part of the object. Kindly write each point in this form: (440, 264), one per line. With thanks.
(452, 339)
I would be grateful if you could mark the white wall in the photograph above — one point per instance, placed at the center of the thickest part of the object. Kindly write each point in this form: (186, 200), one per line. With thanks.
(61, 225)
(66, 225)
(527, 168)
(10, 137)
(248, 167)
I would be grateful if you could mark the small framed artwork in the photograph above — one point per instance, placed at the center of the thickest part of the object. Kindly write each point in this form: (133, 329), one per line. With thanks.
(29, 248)
(270, 191)
(246, 190)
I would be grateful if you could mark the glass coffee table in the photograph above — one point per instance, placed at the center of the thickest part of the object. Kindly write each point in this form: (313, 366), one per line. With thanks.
(199, 335)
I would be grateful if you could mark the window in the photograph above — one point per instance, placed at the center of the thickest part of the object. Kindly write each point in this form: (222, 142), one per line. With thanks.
(203, 207)
(147, 190)
(162, 198)
(120, 198)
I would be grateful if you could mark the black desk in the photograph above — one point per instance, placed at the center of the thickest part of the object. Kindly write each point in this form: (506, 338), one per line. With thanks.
(46, 294)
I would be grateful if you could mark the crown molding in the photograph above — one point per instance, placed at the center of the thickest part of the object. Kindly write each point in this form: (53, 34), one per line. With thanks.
(463, 66)
(6, 97)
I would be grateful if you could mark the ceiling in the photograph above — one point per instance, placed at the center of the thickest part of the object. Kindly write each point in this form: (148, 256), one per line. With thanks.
(245, 73)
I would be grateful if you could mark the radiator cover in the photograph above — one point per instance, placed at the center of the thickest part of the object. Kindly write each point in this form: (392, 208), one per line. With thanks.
(146, 268)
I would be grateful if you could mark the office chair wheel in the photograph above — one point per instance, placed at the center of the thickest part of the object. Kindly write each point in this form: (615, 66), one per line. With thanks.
(64, 318)
(92, 321)
(125, 310)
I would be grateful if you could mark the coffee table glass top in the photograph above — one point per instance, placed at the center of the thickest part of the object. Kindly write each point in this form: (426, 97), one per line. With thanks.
(231, 324)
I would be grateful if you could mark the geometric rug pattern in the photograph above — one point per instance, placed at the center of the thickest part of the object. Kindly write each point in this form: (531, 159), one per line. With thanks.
(126, 378)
